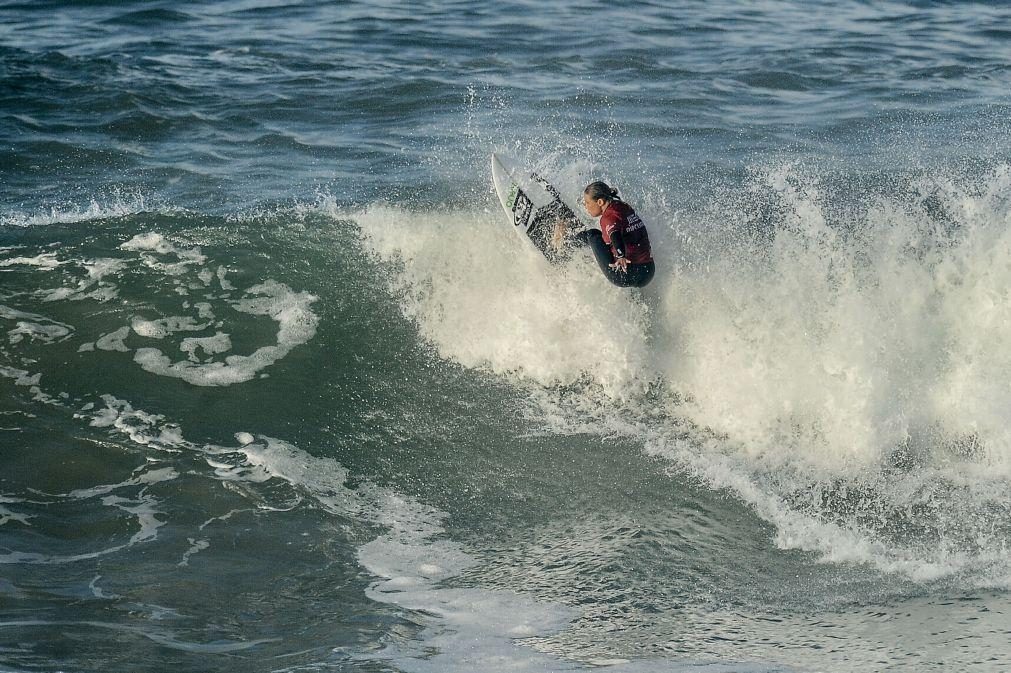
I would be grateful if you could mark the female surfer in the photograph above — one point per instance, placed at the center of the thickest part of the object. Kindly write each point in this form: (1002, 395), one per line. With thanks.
(621, 245)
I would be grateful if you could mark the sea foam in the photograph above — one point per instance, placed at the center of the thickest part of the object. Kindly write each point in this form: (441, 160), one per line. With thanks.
(863, 355)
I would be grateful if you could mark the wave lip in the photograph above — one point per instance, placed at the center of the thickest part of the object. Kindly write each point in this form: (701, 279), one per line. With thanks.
(119, 205)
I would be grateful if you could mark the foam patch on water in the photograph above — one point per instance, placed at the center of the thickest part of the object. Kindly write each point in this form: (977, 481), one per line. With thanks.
(296, 326)
(154, 247)
(36, 332)
(7, 515)
(34, 327)
(26, 379)
(141, 427)
(46, 261)
(467, 629)
(219, 343)
(206, 354)
(196, 546)
(290, 309)
(114, 341)
(20, 377)
(159, 329)
(152, 241)
(93, 286)
(142, 506)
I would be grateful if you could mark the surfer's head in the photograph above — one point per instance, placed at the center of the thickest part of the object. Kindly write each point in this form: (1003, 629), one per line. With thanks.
(596, 196)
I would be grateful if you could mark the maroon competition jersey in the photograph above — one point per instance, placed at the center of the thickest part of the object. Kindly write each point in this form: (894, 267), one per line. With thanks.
(625, 232)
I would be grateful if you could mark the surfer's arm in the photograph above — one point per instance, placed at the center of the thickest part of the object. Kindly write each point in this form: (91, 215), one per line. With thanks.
(617, 246)
(617, 242)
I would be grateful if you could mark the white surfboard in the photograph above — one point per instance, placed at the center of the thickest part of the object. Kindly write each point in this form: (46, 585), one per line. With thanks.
(532, 204)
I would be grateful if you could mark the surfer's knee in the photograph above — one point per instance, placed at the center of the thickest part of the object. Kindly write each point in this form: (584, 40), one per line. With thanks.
(636, 275)
(587, 235)
(644, 274)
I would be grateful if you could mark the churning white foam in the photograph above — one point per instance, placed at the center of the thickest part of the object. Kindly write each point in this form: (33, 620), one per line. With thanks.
(841, 347)
(159, 329)
(834, 354)
(485, 300)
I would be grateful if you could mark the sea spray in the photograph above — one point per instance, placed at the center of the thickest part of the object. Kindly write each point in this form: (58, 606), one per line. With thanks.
(843, 377)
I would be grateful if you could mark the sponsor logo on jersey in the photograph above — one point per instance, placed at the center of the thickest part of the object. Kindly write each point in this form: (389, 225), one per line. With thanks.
(634, 223)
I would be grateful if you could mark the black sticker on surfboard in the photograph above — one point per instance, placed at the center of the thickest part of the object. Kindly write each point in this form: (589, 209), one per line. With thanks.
(522, 206)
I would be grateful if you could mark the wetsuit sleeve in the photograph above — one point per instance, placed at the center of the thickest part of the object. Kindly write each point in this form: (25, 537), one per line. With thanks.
(617, 241)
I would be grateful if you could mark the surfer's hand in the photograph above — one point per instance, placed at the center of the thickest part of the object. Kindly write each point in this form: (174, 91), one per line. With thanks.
(558, 237)
(621, 264)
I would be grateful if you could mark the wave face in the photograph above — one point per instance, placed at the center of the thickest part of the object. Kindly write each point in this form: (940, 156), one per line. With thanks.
(280, 389)
(850, 370)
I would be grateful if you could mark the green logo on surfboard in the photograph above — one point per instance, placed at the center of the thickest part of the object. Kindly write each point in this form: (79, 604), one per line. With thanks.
(513, 191)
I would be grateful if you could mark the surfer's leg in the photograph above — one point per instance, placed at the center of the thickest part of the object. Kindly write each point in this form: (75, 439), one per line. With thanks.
(639, 275)
(601, 251)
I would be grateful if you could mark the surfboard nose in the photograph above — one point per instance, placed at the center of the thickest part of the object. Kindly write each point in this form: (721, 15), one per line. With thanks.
(498, 168)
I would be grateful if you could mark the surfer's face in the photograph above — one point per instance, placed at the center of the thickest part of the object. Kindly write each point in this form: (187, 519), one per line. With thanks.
(593, 206)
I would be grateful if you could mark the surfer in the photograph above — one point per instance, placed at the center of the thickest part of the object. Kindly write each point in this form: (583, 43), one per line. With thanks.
(621, 245)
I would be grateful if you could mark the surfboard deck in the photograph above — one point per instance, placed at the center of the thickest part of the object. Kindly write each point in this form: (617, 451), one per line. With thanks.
(533, 205)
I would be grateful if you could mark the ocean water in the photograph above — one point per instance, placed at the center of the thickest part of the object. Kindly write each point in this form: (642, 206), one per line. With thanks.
(279, 391)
